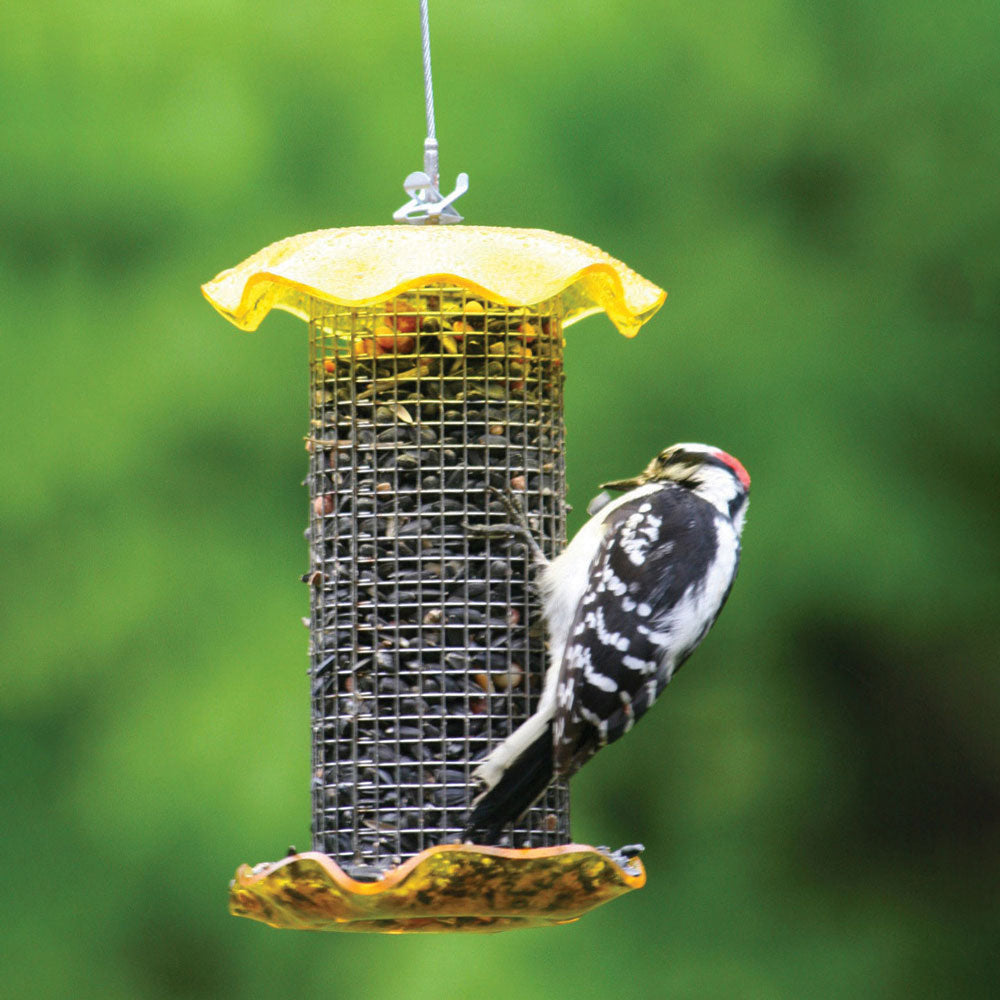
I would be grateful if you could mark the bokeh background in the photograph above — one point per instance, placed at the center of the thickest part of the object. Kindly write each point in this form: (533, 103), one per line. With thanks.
(815, 183)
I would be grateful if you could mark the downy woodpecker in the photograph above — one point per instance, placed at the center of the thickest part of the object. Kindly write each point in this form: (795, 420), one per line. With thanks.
(625, 604)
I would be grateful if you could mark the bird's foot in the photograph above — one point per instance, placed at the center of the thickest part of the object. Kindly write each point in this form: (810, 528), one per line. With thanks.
(520, 529)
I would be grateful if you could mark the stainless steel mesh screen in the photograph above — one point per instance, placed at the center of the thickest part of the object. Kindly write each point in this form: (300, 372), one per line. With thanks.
(427, 641)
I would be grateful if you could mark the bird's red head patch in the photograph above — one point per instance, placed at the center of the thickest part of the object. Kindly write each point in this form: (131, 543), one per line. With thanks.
(737, 466)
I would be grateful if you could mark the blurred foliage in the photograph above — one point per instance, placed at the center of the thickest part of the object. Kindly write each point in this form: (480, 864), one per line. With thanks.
(814, 183)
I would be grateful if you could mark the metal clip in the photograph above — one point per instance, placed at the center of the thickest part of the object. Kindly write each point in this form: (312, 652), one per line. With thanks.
(427, 204)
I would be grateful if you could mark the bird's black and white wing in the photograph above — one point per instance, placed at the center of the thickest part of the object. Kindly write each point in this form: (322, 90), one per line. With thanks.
(661, 575)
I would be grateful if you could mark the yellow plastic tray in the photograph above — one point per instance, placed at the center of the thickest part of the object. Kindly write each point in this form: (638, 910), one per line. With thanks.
(455, 887)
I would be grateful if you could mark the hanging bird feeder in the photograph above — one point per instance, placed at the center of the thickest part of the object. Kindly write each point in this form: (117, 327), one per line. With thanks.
(435, 361)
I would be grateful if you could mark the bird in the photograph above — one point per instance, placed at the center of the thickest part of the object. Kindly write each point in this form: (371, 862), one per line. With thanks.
(625, 604)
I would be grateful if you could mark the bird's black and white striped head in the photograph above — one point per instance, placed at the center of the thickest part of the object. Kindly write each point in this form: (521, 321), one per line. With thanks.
(709, 472)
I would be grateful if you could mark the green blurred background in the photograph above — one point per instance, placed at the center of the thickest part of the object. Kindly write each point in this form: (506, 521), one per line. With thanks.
(816, 186)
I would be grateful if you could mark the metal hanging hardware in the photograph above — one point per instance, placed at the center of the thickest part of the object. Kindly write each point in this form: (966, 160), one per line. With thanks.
(427, 205)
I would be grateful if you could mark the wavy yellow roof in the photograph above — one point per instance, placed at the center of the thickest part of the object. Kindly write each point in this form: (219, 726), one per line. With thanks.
(368, 264)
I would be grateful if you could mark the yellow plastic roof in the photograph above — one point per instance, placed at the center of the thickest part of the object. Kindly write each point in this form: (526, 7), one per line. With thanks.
(365, 265)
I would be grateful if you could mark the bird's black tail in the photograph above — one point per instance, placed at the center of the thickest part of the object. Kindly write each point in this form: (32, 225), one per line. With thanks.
(523, 782)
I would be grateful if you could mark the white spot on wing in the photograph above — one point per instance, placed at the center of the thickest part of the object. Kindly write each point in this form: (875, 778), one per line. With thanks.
(595, 619)
(599, 680)
(636, 663)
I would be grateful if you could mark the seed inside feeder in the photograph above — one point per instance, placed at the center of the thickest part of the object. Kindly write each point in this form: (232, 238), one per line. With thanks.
(427, 641)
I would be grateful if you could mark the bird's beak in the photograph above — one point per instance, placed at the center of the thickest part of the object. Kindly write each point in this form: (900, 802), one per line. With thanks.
(623, 484)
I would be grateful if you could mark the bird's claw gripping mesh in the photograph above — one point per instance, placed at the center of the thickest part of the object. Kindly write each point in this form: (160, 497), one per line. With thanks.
(448, 888)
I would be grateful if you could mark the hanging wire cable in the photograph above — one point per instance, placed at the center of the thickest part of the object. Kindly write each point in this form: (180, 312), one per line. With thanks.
(425, 31)
(426, 204)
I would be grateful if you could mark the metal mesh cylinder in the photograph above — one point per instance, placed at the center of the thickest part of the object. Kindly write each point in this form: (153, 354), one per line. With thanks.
(427, 643)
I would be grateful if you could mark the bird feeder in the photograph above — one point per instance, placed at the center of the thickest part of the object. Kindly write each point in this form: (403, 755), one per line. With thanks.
(436, 379)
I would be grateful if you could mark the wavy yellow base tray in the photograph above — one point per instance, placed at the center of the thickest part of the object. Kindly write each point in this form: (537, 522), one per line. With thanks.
(454, 887)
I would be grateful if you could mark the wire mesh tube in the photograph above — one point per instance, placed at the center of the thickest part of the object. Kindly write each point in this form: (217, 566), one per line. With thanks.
(427, 644)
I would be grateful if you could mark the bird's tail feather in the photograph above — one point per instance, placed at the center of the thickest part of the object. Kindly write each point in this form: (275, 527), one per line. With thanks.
(523, 782)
